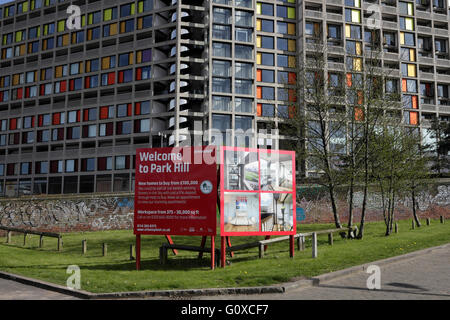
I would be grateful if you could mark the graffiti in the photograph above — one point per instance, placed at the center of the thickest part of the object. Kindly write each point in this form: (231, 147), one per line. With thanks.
(67, 214)
(112, 213)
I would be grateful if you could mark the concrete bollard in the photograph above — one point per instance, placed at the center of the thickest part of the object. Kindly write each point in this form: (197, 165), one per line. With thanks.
(442, 219)
(8, 237)
(132, 252)
(302, 243)
(413, 225)
(41, 241)
(84, 246)
(314, 245)
(428, 221)
(60, 244)
(330, 239)
(396, 227)
(105, 249)
(24, 239)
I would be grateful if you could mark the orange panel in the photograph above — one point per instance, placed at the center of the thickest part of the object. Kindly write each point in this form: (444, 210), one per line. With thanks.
(414, 102)
(404, 86)
(259, 75)
(359, 114)
(414, 118)
(259, 109)
(259, 92)
(349, 80)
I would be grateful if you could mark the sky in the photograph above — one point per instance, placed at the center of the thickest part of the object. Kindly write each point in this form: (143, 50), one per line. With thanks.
(5, 1)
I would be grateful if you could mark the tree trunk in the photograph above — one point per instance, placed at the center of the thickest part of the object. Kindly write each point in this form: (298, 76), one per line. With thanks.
(414, 204)
(337, 221)
(350, 208)
(392, 209)
(366, 181)
(363, 210)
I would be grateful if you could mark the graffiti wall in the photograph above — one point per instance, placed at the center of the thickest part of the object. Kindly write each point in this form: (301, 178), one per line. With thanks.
(62, 215)
(432, 202)
(113, 212)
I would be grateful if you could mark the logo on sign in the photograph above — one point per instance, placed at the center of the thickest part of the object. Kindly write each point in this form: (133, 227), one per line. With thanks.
(206, 187)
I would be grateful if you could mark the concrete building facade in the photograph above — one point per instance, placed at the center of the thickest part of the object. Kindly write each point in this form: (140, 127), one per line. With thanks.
(76, 101)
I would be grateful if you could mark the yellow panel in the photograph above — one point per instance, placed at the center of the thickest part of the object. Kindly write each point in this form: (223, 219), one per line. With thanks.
(347, 31)
(291, 29)
(291, 62)
(358, 48)
(412, 55)
(292, 46)
(409, 24)
(402, 38)
(258, 24)
(258, 58)
(411, 70)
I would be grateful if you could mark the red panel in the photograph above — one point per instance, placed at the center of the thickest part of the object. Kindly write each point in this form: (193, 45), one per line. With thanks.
(103, 113)
(137, 110)
(56, 118)
(139, 74)
(111, 78)
(196, 174)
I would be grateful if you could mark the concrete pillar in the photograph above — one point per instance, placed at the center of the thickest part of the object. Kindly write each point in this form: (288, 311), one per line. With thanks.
(132, 252)
(314, 245)
(105, 249)
(84, 246)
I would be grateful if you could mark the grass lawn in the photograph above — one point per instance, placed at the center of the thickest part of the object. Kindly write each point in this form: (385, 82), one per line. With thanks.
(117, 273)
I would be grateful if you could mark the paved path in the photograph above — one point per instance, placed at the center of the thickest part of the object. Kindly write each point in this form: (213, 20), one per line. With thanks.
(424, 277)
(11, 290)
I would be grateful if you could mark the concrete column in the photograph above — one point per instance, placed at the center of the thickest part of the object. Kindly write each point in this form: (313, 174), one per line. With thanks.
(314, 245)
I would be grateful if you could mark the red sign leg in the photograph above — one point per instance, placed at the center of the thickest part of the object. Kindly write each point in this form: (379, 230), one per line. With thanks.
(291, 246)
(229, 246)
(170, 241)
(213, 253)
(223, 252)
(138, 252)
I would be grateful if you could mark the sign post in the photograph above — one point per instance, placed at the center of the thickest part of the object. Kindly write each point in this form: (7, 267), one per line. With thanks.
(175, 193)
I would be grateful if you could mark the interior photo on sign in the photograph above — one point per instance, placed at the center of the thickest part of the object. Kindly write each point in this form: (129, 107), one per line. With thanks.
(241, 171)
(276, 172)
(277, 212)
(241, 212)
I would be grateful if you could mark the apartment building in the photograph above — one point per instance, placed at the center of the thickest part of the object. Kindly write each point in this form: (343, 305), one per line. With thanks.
(75, 103)
(410, 40)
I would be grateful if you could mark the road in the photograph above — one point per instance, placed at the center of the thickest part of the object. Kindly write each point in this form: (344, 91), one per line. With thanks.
(11, 290)
(420, 278)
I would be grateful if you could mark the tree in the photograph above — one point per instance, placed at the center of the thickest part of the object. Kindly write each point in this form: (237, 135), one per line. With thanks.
(440, 133)
(315, 122)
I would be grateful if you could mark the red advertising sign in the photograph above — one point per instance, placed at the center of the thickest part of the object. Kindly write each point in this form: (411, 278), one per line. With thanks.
(176, 191)
(257, 192)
